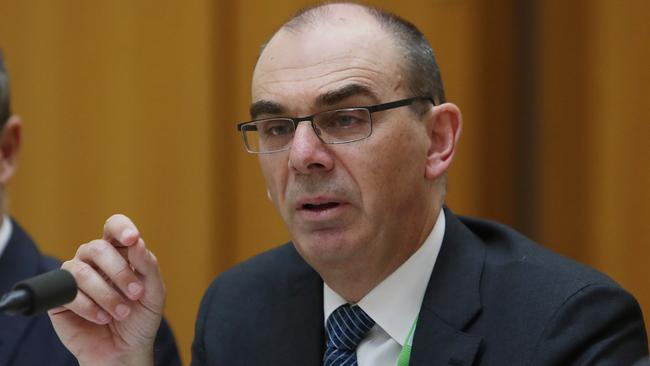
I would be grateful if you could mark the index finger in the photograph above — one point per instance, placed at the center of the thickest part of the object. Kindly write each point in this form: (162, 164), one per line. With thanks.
(120, 231)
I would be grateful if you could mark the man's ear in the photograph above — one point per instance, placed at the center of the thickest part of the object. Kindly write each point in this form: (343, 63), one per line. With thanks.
(9, 147)
(443, 129)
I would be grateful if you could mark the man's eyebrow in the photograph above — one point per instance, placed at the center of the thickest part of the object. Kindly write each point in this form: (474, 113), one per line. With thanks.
(336, 96)
(329, 98)
(265, 107)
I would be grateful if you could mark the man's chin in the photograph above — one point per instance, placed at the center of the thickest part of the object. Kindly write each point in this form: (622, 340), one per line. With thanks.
(326, 249)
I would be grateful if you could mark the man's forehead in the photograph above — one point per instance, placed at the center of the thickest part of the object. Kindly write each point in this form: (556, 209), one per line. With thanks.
(328, 29)
(327, 39)
(340, 50)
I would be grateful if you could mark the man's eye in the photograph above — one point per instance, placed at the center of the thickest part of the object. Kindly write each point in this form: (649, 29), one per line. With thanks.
(277, 130)
(346, 119)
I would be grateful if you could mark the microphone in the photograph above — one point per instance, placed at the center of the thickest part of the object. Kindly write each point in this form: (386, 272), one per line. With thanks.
(40, 293)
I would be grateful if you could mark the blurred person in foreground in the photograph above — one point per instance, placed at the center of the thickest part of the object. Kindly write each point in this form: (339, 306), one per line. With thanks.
(32, 340)
(354, 137)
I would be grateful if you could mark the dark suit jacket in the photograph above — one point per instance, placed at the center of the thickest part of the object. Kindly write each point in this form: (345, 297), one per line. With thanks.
(32, 341)
(494, 298)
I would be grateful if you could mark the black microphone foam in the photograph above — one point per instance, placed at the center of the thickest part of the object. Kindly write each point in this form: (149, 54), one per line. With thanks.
(40, 293)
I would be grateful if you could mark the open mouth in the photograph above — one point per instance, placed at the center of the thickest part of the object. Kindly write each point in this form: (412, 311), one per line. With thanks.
(320, 206)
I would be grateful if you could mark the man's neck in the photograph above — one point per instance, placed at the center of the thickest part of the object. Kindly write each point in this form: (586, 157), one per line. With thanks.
(353, 281)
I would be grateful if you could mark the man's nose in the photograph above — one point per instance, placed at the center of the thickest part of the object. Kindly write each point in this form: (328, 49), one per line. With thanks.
(308, 153)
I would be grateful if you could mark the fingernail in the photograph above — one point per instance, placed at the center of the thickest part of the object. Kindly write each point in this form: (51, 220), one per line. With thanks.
(134, 288)
(122, 311)
(103, 316)
(126, 234)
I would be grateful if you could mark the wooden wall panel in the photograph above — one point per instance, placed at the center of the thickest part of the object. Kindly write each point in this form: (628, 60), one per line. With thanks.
(565, 93)
(594, 137)
(620, 169)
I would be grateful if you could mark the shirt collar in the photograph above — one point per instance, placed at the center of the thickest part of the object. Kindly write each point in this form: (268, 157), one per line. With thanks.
(395, 303)
(5, 233)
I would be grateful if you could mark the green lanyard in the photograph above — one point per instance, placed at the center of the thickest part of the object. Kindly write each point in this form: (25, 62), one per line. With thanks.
(405, 355)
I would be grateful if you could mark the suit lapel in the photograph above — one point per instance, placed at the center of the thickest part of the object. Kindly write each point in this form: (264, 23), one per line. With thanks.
(436, 343)
(451, 301)
(20, 260)
(306, 317)
(300, 318)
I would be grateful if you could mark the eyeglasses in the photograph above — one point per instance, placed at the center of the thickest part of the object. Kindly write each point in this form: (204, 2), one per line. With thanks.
(338, 126)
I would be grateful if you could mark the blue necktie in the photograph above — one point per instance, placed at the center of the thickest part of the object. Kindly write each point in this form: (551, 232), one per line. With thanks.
(346, 327)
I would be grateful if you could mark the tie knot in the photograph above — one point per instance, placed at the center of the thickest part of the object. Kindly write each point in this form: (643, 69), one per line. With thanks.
(347, 326)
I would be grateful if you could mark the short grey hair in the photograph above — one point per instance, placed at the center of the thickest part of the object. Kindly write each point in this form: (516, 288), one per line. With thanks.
(423, 72)
(5, 105)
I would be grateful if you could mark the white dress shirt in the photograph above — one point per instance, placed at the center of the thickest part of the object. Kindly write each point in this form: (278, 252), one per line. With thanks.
(5, 233)
(395, 303)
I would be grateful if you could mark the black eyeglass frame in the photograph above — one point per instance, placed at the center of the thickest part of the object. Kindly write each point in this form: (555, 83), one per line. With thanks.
(296, 120)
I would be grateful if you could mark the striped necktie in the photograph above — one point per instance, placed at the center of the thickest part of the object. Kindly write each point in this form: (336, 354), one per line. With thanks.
(346, 327)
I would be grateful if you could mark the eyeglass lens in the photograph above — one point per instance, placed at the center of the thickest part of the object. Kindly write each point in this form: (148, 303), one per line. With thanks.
(338, 126)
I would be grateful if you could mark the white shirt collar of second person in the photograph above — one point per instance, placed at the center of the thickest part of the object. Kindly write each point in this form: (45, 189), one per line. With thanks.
(5, 233)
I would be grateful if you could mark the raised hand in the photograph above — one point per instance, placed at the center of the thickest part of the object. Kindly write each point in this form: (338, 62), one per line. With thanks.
(117, 311)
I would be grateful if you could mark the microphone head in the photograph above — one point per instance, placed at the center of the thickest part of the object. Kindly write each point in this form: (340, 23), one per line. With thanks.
(49, 290)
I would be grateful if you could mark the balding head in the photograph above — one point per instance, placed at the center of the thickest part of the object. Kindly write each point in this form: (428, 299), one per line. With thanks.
(417, 58)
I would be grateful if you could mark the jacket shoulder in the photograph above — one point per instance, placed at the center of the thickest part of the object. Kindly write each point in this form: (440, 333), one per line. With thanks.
(507, 250)
(562, 312)
(282, 262)
(256, 291)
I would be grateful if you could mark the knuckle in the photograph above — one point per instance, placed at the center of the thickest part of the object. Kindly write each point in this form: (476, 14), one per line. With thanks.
(67, 264)
(85, 306)
(108, 296)
(123, 273)
(97, 247)
(82, 271)
(81, 249)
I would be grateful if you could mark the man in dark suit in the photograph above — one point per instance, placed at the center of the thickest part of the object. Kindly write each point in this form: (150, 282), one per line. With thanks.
(494, 298)
(32, 340)
(354, 138)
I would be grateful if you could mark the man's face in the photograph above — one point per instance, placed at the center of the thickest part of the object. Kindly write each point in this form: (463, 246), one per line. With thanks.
(363, 202)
